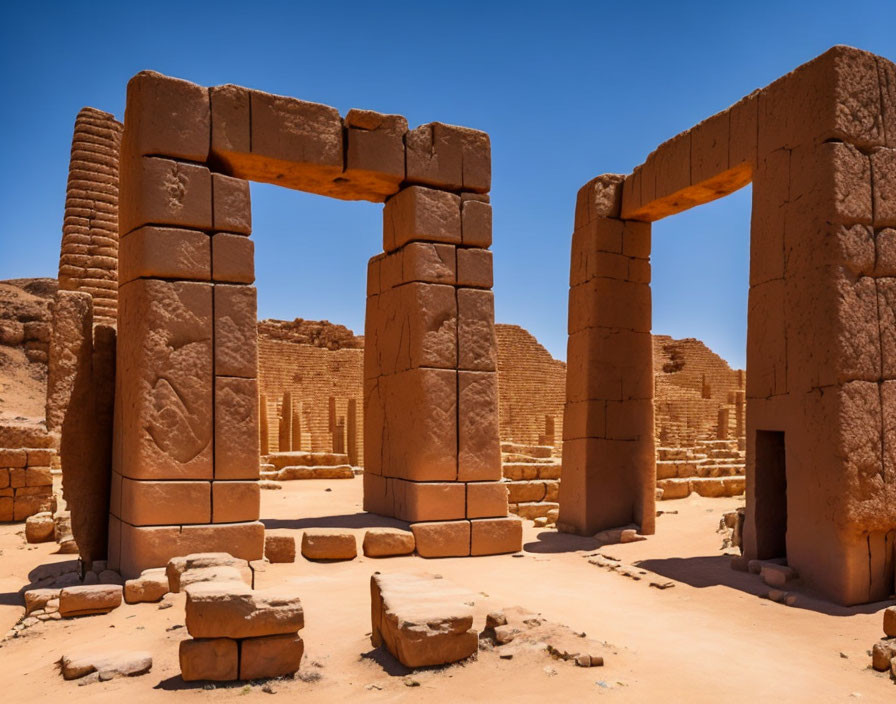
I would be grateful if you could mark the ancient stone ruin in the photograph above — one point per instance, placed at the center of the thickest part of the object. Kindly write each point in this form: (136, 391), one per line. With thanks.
(819, 146)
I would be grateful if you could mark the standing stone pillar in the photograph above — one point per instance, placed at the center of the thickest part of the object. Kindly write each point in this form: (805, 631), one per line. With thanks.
(297, 428)
(285, 428)
(263, 428)
(722, 424)
(740, 427)
(609, 464)
(352, 432)
(431, 447)
(186, 459)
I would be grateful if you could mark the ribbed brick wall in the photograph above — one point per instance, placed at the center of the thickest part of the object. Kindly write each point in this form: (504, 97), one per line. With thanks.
(89, 254)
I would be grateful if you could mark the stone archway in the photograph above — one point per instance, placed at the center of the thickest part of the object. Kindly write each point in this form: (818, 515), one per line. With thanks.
(185, 459)
(819, 146)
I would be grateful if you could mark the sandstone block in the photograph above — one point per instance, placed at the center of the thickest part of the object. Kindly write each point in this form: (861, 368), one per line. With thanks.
(600, 197)
(235, 501)
(270, 656)
(13, 458)
(474, 268)
(450, 157)
(233, 259)
(165, 331)
(280, 548)
(890, 621)
(442, 538)
(883, 169)
(236, 434)
(158, 191)
(324, 544)
(230, 133)
(476, 344)
(388, 542)
(107, 664)
(374, 158)
(427, 501)
(417, 213)
(882, 654)
(236, 344)
(420, 261)
(478, 448)
(150, 586)
(213, 659)
(177, 566)
(422, 621)
(493, 536)
(218, 575)
(89, 599)
(167, 116)
(152, 503)
(37, 599)
(40, 528)
(232, 204)
(476, 223)
(486, 499)
(165, 253)
(233, 610)
(39, 457)
(28, 504)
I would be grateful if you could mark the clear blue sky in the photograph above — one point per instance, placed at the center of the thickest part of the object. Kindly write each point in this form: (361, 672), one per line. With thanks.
(566, 91)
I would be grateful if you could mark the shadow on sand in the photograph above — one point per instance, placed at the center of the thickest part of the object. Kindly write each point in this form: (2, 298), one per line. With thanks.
(347, 520)
(715, 570)
(552, 541)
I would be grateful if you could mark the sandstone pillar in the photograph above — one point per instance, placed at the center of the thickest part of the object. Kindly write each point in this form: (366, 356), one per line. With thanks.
(297, 429)
(263, 429)
(722, 424)
(286, 418)
(186, 412)
(608, 449)
(352, 432)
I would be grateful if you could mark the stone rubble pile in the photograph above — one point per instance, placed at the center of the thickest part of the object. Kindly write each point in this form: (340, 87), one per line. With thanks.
(711, 468)
(532, 477)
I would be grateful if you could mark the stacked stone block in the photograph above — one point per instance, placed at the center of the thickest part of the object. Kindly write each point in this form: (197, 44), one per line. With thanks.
(186, 455)
(89, 254)
(818, 145)
(608, 428)
(26, 483)
(432, 453)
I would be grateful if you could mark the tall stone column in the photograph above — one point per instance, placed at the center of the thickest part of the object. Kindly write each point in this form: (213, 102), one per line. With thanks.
(609, 464)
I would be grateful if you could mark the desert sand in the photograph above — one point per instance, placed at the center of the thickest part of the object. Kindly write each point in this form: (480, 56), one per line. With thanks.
(709, 638)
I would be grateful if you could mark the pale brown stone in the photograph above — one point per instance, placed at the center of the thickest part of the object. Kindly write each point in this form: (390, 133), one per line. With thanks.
(280, 548)
(233, 259)
(478, 446)
(449, 157)
(388, 542)
(232, 610)
(232, 206)
(213, 659)
(89, 599)
(493, 536)
(40, 528)
(270, 656)
(177, 566)
(442, 538)
(486, 499)
(235, 501)
(417, 213)
(107, 664)
(236, 346)
(151, 503)
(236, 434)
(325, 544)
(374, 158)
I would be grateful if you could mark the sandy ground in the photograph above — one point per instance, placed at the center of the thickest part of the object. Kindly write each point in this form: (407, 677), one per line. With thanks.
(708, 639)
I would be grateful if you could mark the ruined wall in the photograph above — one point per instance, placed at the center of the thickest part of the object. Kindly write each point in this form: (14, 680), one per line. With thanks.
(531, 386)
(691, 384)
(89, 256)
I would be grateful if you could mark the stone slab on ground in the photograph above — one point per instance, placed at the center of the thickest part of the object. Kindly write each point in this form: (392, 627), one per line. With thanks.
(89, 599)
(150, 586)
(324, 544)
(107, 664)
(280, 548)
(388, 542)
(422, 620)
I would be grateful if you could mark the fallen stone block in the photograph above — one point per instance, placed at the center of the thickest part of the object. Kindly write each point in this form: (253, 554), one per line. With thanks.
(106, 664)
(323, 544)
(196, 561)
(89, 599)
(36, 599)
(212, 659)
(777, 575)
(270, 656)
(890, 621)
(233, 610)
(612, 536)
(150, 586)
(40, 528)
(422, 621)
(882, 653)
(280, 548)
(388, 542)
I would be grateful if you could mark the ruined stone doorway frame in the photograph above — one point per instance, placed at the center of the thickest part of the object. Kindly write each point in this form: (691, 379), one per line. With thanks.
(819, 146)
(185, 458)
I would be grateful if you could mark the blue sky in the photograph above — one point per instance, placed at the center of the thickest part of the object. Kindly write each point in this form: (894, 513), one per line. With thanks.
(566, 91)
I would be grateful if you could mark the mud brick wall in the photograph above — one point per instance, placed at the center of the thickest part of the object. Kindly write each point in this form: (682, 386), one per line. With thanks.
(89, 255)
(26, 483)
(691, 384)
(312, 375)
(531, 385)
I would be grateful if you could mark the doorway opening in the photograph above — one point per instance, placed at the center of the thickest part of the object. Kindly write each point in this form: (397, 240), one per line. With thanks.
(771, 495)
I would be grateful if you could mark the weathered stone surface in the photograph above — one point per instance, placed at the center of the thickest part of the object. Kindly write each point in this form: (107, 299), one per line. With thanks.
(421, 214)
(213, 659)
(165, 253)
(442, 538)
(233, 259)
(388, 542)
(374, 158)
(236, 429)
(40, 528)
(177, 566)
(107, 664)
(165, 331)
(236, 336)
(279, 548)
(150, 586)
(270, 656)
(325, 544)
(36, 599)
(890, 621)
(422, 621)
(89, 599)
(233, 610)
(493, 536)
(450, 157)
